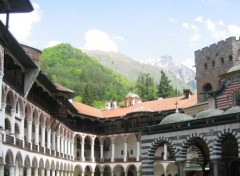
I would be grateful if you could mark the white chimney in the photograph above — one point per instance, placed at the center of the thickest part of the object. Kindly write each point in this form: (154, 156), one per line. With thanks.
(107, 106)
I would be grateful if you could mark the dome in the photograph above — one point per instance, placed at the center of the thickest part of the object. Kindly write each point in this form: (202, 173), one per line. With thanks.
(208, 113)
(233, 69)
(132, 95)
(232, 110)
(176, 117)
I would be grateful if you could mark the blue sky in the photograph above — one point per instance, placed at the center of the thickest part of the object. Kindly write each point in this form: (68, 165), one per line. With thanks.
(136, 28)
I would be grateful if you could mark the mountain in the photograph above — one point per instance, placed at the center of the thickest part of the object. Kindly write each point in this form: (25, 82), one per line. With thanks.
(180, 75)
(85, 75)
(167, 62)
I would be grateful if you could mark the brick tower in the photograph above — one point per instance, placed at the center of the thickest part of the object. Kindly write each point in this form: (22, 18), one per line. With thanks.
(213, 61)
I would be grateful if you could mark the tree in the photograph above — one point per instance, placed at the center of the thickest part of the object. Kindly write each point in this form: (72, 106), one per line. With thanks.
(145, 87)
(164, 88)
(87, 97)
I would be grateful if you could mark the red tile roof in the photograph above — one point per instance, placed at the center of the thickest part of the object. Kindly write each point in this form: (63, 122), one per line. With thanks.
(149, 106)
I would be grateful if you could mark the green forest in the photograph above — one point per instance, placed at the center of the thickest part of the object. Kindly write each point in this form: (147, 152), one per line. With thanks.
(93, 83)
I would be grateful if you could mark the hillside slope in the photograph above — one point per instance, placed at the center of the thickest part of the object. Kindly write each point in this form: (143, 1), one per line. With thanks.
(77, 71)
(131, 68)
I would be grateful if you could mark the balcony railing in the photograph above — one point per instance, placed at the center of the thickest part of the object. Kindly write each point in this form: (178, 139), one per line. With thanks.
(19, 143)
(9, 140)
(27, 145)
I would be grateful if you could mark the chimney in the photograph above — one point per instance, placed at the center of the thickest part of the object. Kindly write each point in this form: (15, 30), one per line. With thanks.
(107, 106)
(187, 93)
(114, 105)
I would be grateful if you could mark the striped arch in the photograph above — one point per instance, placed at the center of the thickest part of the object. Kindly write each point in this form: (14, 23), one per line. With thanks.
(154, 145)
(217, 150)
(191, 141)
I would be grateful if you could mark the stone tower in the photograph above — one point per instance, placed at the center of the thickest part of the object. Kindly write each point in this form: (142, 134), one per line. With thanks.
(213, 61)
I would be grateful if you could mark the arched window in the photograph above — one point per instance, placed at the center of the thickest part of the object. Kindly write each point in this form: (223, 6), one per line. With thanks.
(207, 87)
(205, 66)
(213, 64)
(237, 99)
(222, 60)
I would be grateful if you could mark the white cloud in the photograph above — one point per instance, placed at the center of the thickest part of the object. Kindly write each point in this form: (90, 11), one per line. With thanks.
(99, 40)
(119, 38)
(20, 24)
(172, 20)
(217, 30)
(52, 43)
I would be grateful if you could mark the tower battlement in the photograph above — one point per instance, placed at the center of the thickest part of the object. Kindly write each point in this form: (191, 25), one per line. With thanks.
(214, 47)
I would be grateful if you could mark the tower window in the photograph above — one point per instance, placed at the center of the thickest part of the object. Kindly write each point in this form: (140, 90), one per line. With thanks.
(205, 65)
(230, 58)
(213, 64)
(222, 60)
(237, 99)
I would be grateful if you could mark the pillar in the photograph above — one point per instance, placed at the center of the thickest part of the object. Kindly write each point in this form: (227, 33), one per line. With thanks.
(35, 171)
(1, 72)
(36, 137)
(58, 143)
(12, 121)
(101, 152)
(28, 171)
(53, 141)
(215, 167)
(11, 170)
(43, 136)
(29, 132)
(138, 151)
(49, 138)
(165, 152)
(180, 165)
(82, 151)
(53, 172)
(125, 152)
(113, 152)
(101, 173)
(1, 169)
(20, 171)
(92, 152)
(47, 172)
(21, 135)
(57, 173)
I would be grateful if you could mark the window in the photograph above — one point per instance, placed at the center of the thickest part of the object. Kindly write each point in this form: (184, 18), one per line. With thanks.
(213, 64)
(222, 60)
(237, 100)
(205, 66)
(230, 58)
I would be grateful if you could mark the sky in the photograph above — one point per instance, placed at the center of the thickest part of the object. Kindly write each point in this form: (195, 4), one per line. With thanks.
(136, 28)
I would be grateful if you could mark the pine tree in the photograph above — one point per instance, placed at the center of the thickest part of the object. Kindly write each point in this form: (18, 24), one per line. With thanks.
(145, 87)
(164, 88)
(87, 97)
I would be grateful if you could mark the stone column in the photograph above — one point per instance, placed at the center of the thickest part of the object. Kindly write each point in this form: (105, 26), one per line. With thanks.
(28, 171)
(12, 121)
(53, 172)
(180, 165)
(36, 134)
(57, 173)
(138, 151)
(35, 171)
(58, 143)
(21, 135)
(1, 73)
(20, 171)
(101, 152)
(82, 151)
(92, 152)
(101, 173)
(43, 136)
(165, 152)
(49, 138)
(47, 172)
(11, 170)
(53, 141)
(125, 152)
(113, 153)
(215, 166)
(29, 131)
(1, 169)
